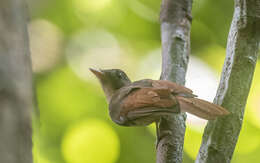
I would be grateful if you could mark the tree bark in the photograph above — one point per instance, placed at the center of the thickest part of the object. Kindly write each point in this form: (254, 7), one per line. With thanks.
(220, 136)
(16, 95)
(175, 35)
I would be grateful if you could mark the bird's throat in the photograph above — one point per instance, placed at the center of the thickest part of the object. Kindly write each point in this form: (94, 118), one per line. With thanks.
(109, 92)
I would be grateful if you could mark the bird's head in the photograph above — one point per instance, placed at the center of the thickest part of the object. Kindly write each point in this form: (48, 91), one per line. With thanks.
(111, 80)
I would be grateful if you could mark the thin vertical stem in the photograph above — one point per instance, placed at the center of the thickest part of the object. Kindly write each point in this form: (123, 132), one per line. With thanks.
(220, 136)
(175, 36)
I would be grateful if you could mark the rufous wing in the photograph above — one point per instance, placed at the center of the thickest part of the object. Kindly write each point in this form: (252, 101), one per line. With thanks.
(201, 108)
(175, 88)
(149, 97)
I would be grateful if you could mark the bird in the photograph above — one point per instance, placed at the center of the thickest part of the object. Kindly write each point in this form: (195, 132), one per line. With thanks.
(143, 102)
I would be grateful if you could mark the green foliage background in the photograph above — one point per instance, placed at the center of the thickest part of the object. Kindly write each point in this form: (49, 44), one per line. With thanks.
(74, 126)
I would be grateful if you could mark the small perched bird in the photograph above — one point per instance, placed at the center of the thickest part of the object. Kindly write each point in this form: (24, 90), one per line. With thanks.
(145, 101)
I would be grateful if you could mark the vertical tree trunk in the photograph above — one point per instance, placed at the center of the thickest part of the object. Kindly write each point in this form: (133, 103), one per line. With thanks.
(175, 35)
(220, 136)
(16, 97)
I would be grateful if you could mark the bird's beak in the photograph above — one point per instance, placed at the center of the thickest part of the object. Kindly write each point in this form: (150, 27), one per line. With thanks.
(99, 74)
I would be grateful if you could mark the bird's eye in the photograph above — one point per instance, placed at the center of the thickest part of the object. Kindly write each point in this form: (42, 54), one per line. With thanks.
(120, 75)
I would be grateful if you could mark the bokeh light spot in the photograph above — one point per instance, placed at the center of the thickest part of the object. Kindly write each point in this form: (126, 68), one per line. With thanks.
(90, 141)
(46, 41)
(95, 49)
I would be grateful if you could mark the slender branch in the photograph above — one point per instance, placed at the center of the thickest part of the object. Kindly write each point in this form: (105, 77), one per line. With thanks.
(175, 35)
(16, 96)
(220, 136)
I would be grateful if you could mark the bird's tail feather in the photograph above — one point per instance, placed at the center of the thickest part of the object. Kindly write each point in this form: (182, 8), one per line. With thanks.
(201, 108)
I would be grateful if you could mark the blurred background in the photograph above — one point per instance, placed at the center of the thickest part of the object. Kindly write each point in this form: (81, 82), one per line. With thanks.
(69, 36)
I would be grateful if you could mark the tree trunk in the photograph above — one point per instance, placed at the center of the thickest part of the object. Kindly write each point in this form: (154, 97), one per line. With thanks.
(220, 136)
(175, 35)
(16, 97)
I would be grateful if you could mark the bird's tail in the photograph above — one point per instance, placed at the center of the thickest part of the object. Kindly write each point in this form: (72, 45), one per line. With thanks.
(201, 108)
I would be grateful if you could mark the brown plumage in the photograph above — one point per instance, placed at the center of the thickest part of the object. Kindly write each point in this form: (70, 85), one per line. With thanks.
(145, 101)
